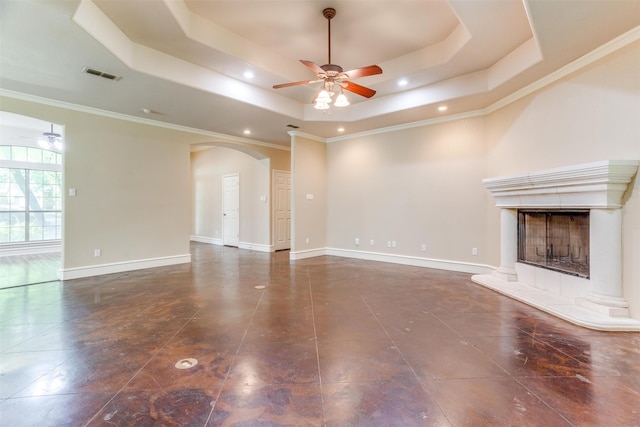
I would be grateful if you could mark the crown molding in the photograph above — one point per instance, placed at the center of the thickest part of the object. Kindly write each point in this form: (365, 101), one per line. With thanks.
(404, 126)
(608, 48)
(119, 116)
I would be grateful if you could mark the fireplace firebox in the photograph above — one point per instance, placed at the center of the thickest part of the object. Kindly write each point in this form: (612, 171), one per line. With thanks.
(556, 240)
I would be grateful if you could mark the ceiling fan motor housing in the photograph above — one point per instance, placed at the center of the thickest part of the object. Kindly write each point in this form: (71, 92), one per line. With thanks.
(329, 12)
(332, 70)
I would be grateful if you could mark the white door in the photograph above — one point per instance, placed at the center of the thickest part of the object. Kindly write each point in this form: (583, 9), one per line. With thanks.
(281, 210)
(230, 210)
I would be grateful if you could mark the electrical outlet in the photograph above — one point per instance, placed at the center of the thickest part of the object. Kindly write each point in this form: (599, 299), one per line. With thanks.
(474, 251)
(357, 241)
(97, 252)
(424, 247)
(388, 243)
(306, 240)
(371, 242)
(393, 243)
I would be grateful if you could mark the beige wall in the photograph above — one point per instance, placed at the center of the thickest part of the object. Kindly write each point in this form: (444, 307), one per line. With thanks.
(589, 116)
(416, 186)
(130, 180)
(308, 167)
(423, 185)
(207, 169)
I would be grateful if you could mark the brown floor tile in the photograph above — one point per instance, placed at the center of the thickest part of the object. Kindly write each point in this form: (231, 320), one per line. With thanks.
(348, 327)
(353, 361)
(180, 407)
(492, 402)
(446, 357)
(526, 356)
(329, 341)
(275, 363)
(386, 403)
(599, 401)
(268, 405)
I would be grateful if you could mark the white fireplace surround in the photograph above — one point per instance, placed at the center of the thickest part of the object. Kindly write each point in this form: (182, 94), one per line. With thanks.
(597, 302)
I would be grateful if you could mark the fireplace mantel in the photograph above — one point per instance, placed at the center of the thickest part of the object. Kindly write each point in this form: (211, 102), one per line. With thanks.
(596, 302)
(591, 185)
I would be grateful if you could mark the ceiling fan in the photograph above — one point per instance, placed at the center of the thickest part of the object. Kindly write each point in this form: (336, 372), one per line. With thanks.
(52, 140)
(333, 75)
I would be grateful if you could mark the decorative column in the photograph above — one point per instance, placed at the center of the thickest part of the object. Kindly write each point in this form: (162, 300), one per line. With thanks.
(508, 245)
(605, 253)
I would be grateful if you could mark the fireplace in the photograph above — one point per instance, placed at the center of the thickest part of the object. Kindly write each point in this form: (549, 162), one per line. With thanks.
(555, 240)
(561, 242)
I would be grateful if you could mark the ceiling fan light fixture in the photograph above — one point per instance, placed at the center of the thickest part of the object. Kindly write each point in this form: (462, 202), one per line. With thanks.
(51, 141)
(321, 105)
(341, 100)
(324, 97)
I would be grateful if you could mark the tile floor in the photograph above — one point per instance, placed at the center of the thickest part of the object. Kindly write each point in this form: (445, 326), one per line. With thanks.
(29, 269)
(329, 341)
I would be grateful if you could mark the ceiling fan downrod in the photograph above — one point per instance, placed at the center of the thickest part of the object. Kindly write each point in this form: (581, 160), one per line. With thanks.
(329, 13)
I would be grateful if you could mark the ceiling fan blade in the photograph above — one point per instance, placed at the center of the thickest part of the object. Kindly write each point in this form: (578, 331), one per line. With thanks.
(304, 82)
(313, 66)
(362, 72)
(356, 88)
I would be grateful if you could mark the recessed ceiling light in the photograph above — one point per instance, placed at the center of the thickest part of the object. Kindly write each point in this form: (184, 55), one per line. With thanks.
(248, 75)
(340, 129)
(247, 132)
(442, 108)
(402, 82)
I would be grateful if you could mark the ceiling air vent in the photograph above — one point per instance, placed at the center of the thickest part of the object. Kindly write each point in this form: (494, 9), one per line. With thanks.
(100, 74)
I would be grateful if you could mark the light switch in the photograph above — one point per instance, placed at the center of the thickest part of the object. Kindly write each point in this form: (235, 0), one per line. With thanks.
(309, 196)
(72, 192)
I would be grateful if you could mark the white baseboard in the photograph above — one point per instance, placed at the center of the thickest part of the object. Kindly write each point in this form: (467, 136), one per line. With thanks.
(462, 267)
(256, 247)
(307, 254)
(120, 267)
(209, 240)
(29, 249)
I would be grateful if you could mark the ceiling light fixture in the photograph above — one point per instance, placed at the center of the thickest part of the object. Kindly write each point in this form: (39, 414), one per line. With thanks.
(247, 132)
(52, 140)
(442, 108)
(402, 82)
(324, 98)
(248, 75)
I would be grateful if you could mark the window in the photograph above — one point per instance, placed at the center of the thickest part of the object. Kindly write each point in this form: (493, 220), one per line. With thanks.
(30, 195)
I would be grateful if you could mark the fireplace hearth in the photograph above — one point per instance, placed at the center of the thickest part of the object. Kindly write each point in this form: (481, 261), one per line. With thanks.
(556, 240)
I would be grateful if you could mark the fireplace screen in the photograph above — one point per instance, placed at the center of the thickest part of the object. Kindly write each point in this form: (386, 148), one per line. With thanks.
(557, 240)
